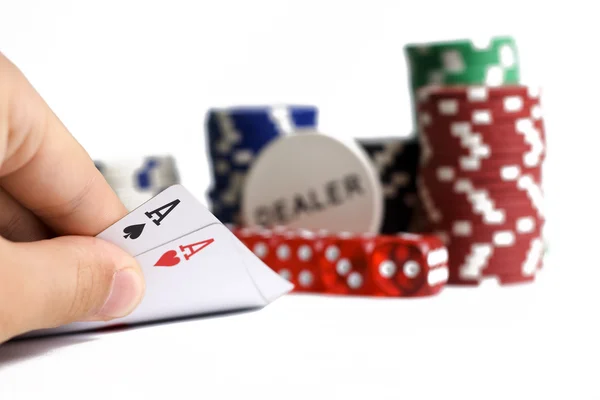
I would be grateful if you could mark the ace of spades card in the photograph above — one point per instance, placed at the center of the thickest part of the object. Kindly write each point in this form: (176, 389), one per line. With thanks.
(172, 213)
(192, 263)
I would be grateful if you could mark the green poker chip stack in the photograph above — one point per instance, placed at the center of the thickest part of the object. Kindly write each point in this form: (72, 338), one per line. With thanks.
(462, 62)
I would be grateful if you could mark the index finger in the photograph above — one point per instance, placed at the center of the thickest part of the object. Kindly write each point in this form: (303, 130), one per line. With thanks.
(44, 168)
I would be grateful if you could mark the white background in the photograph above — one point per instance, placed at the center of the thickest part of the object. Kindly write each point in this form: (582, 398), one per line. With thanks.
(136, 77)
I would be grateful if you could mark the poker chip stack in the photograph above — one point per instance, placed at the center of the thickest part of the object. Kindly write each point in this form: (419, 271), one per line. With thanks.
(490, 62)
(235, 138)
(137, 180)
(396, 161)
(480, 179)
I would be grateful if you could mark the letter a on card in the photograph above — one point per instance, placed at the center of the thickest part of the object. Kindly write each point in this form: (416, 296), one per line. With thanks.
(195, 247)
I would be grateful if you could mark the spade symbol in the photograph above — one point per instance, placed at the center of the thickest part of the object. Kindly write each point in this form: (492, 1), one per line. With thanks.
(133, 231)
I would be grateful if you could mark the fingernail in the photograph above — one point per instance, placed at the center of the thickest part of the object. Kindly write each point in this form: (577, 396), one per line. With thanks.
(126, 292)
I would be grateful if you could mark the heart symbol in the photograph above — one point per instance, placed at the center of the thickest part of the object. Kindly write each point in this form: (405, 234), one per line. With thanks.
(133, 231)
(168, 259)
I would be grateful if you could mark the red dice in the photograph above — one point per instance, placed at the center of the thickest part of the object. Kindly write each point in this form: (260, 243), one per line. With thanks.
(257, 240)
(401, 267)
(406, 265)
(294, 256)
(344, 265)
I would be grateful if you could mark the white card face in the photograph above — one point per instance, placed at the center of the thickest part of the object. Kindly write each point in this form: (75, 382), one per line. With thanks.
(203, 272)
(171, 214)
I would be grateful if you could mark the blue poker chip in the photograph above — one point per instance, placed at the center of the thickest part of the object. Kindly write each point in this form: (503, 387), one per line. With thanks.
(235, 138)
(305, 118)
(225, 213)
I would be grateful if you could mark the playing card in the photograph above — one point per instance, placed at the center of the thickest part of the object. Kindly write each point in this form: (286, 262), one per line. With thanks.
(171, 214)
(192, 263)
(203, 272)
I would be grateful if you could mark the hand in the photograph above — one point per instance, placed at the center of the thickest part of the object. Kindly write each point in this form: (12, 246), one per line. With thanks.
(53, 201)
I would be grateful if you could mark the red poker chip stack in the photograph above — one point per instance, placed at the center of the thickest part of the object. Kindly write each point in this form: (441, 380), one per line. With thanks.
(406, 265)
(480, 179)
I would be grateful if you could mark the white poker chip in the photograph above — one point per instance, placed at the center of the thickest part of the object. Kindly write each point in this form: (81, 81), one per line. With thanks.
(314, 181)
(132, 199)
(136, 180)
(149, 173)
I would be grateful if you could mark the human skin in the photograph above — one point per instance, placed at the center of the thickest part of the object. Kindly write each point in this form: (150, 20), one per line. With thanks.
(53, 201)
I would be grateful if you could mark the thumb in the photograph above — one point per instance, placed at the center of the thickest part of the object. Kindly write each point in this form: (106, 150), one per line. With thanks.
(54, 282)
